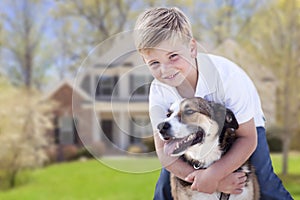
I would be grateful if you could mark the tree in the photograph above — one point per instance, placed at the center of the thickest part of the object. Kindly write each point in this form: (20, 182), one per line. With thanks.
(274, 39)
(23, 28)
(84, 24)
(23, 125)
(215, 21)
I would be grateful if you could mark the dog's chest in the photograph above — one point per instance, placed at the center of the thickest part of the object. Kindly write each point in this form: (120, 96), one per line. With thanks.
(204, 154)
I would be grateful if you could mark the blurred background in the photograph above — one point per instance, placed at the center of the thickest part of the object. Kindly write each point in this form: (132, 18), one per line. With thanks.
(47, 152)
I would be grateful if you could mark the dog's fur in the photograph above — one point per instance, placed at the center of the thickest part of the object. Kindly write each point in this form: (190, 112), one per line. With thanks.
(200, 132)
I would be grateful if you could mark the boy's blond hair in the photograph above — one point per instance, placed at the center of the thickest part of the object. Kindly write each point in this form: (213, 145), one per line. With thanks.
(160, 24)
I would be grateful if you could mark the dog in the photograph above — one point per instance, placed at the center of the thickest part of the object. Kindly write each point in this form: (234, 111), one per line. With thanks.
(200, 132)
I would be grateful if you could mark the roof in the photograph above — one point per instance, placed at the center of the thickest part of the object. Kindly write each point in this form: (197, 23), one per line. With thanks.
(71, 85)
(115, 51)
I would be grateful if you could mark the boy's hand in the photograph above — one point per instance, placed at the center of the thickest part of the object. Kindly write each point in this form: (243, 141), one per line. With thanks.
(203, 181)
(233, 183)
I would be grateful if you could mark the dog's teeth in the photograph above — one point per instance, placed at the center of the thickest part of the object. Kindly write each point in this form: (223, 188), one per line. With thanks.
(191, 137)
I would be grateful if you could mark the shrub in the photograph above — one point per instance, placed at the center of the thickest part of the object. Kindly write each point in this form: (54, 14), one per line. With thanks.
(137, 148)
(149, 142)
(96, 149)
(69, 152)
(274, 138)
(275, 144)
(23, 126)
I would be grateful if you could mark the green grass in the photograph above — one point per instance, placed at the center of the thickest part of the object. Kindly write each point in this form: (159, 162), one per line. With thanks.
(89, 180)
(92, 180)
(292, 180)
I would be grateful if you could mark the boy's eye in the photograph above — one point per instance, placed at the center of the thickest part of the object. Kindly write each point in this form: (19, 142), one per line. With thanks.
(173, 56)
(154, 64)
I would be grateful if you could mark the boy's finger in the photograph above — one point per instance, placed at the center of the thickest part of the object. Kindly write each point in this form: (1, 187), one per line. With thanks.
(237, 191)
(193, 186)
(240, 174)
(190, 178)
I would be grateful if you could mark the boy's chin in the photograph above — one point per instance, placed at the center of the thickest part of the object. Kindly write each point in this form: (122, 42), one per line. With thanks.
(172, 82)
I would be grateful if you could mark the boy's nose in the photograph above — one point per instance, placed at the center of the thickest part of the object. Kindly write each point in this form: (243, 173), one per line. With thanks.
(165, 67)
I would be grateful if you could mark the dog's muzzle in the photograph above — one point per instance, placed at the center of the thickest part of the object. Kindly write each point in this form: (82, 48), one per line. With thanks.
(177, 146)
(165, 130)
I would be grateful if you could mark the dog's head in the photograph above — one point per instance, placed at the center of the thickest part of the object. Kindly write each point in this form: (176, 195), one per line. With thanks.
(193, 121)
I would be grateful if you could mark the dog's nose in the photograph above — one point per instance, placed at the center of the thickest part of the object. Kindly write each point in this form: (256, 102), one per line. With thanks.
(164, 129)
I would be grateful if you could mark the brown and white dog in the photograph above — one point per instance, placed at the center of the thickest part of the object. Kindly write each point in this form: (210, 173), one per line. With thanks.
(200, 132)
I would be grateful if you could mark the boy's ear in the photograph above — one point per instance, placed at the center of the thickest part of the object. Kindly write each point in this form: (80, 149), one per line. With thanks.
(193, 48)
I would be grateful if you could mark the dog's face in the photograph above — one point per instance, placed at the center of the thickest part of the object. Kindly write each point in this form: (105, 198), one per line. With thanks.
(193, 121)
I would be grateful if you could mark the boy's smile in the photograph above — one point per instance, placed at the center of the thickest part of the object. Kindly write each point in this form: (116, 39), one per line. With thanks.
(173, 63)
(171, 76)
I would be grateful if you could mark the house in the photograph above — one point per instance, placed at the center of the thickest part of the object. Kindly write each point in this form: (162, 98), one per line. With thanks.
(108, 101)
(109, 104)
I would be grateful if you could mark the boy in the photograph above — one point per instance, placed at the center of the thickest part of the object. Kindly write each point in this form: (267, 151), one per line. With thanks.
(164, 40)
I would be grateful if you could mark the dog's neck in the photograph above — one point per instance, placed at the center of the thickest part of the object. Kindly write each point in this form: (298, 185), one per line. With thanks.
(202, 156)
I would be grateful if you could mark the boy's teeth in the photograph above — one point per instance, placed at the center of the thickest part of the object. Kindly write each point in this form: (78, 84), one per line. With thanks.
(171, 76)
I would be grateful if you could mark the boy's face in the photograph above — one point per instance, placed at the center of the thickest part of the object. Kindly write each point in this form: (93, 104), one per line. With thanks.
(172, 63)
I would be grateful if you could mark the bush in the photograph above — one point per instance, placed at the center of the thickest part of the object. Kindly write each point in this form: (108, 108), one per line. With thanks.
(96, 149)
(70, 152)
(149, 142)
(51, 153)
(275, 144)
(138, 147)
(134, 148)
(23, 127)
(84, 152)
(274, 138)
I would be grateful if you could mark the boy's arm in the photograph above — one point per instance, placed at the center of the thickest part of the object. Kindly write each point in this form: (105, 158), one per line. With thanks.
(207, 180)
(173, 164)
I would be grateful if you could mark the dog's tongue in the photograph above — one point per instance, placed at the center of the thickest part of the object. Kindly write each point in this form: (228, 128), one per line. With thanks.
(170, 146)
(176, 147)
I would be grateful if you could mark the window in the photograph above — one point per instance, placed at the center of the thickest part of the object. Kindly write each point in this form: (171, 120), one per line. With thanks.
(66, 132)
(106, 86)
(141, 128)
(139, 86)
(86, 84)
(107, 126)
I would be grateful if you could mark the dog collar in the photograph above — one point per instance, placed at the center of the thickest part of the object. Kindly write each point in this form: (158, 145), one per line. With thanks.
(194, 163)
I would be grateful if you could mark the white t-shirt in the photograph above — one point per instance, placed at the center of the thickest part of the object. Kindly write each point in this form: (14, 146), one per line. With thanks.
(219, 80)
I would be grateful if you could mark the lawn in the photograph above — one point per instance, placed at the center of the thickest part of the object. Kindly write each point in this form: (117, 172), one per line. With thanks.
(91, 180)
(292, 180)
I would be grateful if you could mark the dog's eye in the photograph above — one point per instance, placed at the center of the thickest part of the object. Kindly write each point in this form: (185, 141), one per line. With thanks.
(169, 113)
(228, 118)
(189, 112)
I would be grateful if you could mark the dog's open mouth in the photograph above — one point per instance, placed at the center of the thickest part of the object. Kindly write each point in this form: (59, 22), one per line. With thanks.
(177, 147)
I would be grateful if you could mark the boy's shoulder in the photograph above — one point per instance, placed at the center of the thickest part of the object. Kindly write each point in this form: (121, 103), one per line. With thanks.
(224, 66)
(219, 61)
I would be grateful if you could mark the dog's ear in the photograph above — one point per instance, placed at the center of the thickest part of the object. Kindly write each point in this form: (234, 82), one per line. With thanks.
(230, 120)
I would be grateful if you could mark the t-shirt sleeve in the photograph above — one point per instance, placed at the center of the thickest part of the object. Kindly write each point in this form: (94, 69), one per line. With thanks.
(157, 107)
(238, 96)
(160, 99)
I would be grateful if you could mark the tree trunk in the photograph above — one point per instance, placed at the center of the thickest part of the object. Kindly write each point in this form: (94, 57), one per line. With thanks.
(28, 69)
(12, 178)
(285, 156)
